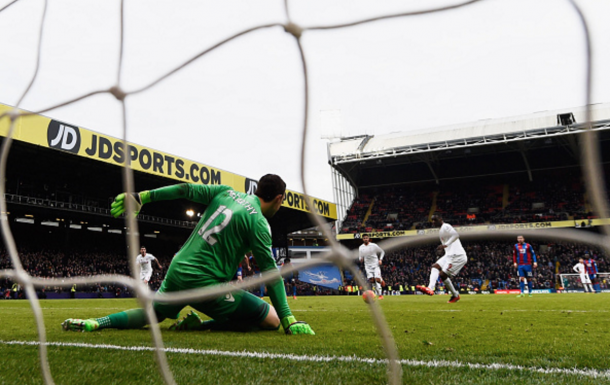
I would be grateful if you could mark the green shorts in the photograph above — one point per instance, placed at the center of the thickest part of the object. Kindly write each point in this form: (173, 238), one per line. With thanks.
(239, 306)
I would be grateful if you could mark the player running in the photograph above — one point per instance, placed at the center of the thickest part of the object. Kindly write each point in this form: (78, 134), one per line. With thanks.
(144, 260)
(372, 255)
(591, 269)
(451, 263)
(232, 224)
(524, 259)
(584, 277)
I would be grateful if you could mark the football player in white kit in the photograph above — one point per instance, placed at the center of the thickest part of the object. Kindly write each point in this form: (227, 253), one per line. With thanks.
(144, 260)
(452, 261)
(372, 255)
(584, 277)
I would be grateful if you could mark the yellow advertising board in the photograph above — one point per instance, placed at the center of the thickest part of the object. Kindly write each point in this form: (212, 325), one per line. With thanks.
(466, 229)
(49, 133)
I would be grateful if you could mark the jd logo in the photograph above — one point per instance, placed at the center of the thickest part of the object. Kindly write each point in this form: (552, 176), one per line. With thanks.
(63, 137)
(251, 186)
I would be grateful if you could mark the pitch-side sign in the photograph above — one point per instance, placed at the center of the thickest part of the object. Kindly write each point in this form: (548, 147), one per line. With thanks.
(466, 229)
(45, 132)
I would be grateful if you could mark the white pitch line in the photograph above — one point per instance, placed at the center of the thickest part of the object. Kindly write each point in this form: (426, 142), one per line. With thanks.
(304, 358)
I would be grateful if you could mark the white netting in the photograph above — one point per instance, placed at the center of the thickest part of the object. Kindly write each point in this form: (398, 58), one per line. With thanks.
(573, 281)
(339, 254)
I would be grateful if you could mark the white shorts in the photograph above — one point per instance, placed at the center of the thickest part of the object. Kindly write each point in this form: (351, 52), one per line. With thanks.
(452, 264)
(145, 275)
(374, 272)
(584, 278)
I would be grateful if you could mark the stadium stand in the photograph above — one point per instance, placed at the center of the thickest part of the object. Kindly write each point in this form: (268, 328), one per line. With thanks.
(355, 215)
(553, 196)
(398, 209)
(48, 263)
(511, 170)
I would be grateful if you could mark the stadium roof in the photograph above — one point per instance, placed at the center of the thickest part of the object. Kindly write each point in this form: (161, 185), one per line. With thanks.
(486, 131)
(525, 143)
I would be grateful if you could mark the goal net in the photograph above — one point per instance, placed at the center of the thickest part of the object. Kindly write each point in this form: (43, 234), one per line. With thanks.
(339, 254)
(573, 283)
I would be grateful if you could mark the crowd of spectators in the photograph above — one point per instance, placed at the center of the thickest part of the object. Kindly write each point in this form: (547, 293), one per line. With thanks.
(47, 264)
(548, 198)
(551, 198)
(465, 204)
(399, 209)
(356, 213)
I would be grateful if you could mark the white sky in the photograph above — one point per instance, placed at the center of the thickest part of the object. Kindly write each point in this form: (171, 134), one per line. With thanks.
(240, 108)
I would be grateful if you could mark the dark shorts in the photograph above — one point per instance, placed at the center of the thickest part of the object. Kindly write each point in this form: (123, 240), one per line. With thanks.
(239, 306)
(525, 271)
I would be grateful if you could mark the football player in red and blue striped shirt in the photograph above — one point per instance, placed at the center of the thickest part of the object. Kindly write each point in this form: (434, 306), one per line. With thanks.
(524, 258)
(591, 269)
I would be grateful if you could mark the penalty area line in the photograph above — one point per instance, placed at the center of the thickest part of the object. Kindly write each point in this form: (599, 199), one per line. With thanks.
(315, 358)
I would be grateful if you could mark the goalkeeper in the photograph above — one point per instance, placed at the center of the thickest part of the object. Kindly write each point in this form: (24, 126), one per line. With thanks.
(232, 224)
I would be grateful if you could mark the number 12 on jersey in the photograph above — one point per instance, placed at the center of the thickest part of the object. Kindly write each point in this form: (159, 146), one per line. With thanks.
(207, 234)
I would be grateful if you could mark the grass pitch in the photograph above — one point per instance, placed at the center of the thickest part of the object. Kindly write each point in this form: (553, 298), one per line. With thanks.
(548, 331)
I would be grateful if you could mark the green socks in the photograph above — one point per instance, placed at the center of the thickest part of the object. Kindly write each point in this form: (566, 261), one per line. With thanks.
(136, 319)
(128, 319)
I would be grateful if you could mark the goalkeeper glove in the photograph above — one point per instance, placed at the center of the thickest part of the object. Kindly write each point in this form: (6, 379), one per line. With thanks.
(292, 326)
(119, 206)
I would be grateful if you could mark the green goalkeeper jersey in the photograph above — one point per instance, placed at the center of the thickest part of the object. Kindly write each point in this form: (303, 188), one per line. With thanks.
(231, 225)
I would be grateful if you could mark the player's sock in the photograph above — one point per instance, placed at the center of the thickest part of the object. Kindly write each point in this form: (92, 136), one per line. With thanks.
(598, 288)
(449, 285)
(128, 319)
(433, 278)
(530, 286)
(378, 286)
(522, 286)
(294, 290)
